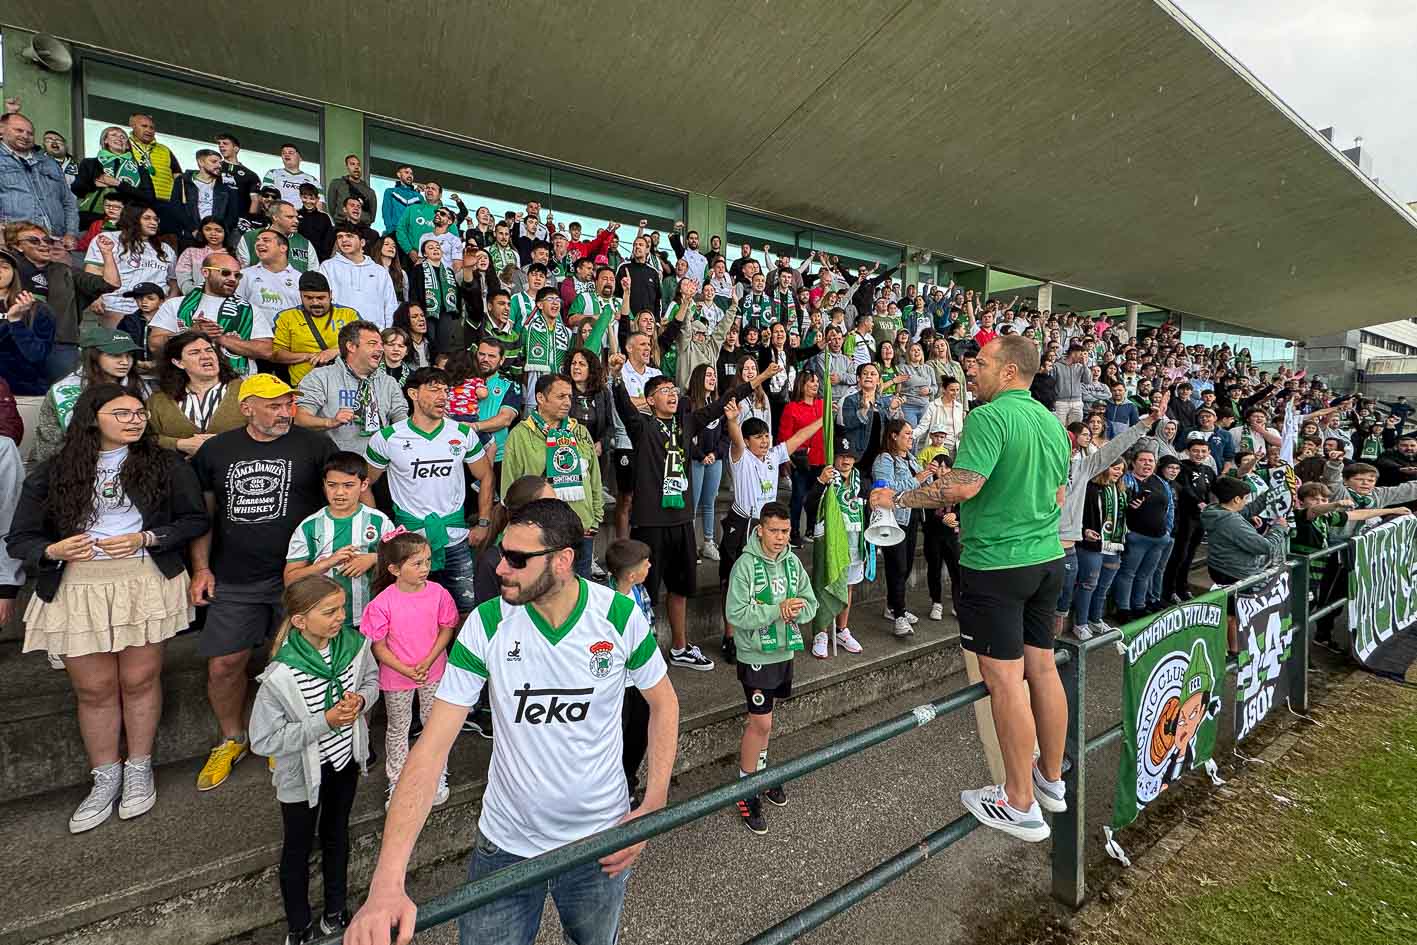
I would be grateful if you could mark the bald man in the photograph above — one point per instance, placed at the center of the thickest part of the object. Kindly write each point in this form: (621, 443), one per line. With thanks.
(213, 310)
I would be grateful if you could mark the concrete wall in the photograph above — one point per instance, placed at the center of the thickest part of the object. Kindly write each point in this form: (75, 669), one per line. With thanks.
(46, 98)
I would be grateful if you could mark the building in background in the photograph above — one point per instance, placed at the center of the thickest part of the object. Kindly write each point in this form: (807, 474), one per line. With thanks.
(1379, 361)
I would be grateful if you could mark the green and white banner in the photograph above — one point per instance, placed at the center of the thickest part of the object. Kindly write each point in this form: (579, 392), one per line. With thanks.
(1266, 640)
(1382, 597)
(1173, 677)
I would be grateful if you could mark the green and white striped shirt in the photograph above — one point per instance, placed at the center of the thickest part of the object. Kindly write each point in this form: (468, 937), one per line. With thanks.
(323, 534)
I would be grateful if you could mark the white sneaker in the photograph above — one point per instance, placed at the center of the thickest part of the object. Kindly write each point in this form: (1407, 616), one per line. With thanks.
(55, 662)
(902, 627)
(990, 806)
(819, 646)
(1082, 631)
(909, 616)
(710, 551)
(846, 641)
(440, 796)
(937, 611)
(139, 789)
(98, 806)
(1049, 795)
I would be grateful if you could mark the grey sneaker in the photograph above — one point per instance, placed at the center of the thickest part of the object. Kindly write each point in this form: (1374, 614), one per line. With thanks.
(990, 806)
(710, 551)
(98, 806)
(1082, 631)
(1050, 795)
(139, 789)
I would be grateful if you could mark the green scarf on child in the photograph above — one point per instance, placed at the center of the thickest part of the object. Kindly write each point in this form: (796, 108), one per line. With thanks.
(297, 653)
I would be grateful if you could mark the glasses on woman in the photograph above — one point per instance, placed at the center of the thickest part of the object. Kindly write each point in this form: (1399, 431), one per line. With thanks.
(520, 559)
(125, 414)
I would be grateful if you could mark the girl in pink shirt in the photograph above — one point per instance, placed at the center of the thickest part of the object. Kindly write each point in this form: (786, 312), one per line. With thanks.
(410, 621)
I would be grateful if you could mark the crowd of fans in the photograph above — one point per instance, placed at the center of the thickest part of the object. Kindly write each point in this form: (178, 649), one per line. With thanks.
(229, 364)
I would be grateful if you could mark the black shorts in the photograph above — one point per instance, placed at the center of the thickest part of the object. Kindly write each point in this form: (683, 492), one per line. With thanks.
(763, 684)
(731, 539)
(240, 618)
(624, 462)
(673, 558)
(1001, 612)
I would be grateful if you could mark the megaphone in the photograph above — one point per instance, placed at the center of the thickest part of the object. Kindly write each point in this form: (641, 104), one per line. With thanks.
(49, 53)
(883, 531)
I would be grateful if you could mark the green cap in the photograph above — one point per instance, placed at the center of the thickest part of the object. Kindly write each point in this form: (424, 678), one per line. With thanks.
(107, 340)
(1198, 675)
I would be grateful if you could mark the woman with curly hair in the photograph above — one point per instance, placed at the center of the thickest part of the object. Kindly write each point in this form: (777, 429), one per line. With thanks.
(195, 398)
(101, 529)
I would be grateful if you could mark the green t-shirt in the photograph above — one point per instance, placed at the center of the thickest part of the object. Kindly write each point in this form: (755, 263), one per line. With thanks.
(1022, 451)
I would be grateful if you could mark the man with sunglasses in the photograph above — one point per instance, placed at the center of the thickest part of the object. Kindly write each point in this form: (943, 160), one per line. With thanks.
(244, 333)
(557, 653)
(46, 273)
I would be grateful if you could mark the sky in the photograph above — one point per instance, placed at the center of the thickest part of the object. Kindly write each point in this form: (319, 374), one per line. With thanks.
(1350, 65)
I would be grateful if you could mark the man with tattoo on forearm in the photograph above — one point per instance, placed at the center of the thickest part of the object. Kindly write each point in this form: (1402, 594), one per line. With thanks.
(1009, 480)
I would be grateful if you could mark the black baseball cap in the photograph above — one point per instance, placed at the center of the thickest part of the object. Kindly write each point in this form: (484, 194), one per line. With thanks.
(145, 288)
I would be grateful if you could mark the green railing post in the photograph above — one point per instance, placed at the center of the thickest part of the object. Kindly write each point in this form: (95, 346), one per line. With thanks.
(1069, 828)
(1299, 576)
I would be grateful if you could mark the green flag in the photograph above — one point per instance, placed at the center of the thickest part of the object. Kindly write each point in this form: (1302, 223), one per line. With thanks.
(830, 557)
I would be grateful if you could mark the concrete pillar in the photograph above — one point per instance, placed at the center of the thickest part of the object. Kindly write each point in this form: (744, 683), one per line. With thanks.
(709, 216)
(46, 98)
(1131, 319)
(1045, 297)
(910, 271)
(343, 136)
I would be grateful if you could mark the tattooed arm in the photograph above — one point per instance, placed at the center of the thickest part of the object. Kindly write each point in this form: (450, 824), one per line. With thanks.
(953, 487)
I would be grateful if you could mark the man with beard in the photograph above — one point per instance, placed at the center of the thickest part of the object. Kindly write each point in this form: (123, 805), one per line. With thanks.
(646, 293)
(260, 482)
(235, 174)
(497, 411)
(243, 332)
(597, 306)
(350, 399)
(352, 185)
(1398, 465)
(558, 654)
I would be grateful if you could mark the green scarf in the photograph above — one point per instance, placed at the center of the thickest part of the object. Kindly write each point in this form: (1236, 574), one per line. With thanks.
(233, 316)
(762, 594)
(1370, 448)
(544, 344)
(440, 295)
(1114, 523)
(604, 312)
(64, 394)
(565, 467)
(121, 166)
(435, 529)
(676, 480)
(297, 653)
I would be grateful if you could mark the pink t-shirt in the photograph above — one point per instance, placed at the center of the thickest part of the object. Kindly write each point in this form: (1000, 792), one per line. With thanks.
(412, 632)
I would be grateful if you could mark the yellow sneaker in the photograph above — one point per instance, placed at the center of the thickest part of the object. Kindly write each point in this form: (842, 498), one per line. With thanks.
(219, 764)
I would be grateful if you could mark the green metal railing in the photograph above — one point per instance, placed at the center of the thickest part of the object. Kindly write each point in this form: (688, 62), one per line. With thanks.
(1068, 866)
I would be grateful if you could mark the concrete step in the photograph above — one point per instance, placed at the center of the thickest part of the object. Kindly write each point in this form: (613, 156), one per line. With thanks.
(201, 868)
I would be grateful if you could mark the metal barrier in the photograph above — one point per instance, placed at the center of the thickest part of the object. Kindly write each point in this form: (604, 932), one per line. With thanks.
(1069, 867)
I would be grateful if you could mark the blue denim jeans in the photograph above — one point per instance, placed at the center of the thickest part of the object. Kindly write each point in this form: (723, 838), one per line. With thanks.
(1158, 578)
(1139, 565)
(1070, 579)
(456, 575)
(703, 490)
(1096, 572)
(588, 902)
(912, 413)
(585, 553)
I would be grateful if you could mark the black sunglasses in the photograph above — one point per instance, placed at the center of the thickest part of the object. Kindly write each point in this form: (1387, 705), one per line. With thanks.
(520, 559)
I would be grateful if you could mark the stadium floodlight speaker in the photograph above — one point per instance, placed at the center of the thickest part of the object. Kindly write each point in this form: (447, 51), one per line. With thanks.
(883, 531)
(49, 53)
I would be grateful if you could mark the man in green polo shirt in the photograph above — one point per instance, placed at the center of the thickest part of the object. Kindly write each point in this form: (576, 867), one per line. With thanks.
(1009, 479)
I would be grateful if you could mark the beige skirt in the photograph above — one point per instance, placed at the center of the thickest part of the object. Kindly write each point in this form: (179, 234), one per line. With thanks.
(108, 605)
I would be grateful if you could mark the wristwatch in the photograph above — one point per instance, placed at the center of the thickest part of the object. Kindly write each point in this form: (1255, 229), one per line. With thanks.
(898, 501)
(484, 522)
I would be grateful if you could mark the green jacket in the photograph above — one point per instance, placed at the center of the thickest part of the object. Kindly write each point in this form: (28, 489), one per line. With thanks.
(416, 221)
(756, 587)
(525, 455)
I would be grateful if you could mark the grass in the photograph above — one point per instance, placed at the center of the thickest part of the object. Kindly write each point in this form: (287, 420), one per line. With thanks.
(1318, 848)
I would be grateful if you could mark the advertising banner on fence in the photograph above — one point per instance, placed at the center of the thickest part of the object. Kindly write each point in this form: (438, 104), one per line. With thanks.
(1266, 640)
(1173, 677)
(1382, 597)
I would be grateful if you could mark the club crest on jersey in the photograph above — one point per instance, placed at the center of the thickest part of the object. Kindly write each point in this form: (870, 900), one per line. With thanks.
(600, 658)
(370, 533)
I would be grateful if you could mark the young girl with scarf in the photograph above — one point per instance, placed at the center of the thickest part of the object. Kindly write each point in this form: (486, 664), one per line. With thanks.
(435, 286)
(311, 718)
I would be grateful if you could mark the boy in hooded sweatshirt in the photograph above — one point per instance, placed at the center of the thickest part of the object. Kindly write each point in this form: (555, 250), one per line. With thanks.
(769, 598)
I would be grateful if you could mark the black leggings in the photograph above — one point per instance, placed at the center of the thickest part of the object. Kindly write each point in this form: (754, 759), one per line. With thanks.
(330, 819)
(941, 548)
(899, 559)
(804, 480)
(634, 728)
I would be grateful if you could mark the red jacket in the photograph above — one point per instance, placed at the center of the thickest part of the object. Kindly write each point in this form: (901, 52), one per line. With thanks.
(796, 415)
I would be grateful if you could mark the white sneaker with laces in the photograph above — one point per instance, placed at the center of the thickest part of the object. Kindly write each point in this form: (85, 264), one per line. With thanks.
(902, 627)
(846, 641)
(819, 646)
(909, 616)
(1082, 631)
(1050, 795)
(990, 806)
(98, 806)
(710, 552)
(440, 796)
(55, 662)
(937, 611)
(139, 789)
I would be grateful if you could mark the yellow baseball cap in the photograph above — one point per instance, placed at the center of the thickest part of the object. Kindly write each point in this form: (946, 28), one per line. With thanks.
(266, 386)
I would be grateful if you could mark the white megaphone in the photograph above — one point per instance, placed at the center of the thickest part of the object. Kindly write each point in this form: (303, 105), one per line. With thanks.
(883, 532)
(49, 53)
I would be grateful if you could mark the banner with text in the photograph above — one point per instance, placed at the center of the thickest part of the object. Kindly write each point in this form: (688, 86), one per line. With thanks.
(1171, 686)
(1266, 640)
(1382, 597)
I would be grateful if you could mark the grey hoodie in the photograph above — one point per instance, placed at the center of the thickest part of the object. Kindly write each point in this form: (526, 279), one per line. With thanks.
(1234, 547)
(1385, 497)
(1082, 468)
(283, 728)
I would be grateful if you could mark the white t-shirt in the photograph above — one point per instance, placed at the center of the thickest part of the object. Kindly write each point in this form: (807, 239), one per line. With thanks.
(634, 386)
(427, 471)
(144, 265)
(269, 293)
(289, 184)
(450, 242)
(755, 480)
(209, 307)
(204, 198)
(556, 773)
(115, 514)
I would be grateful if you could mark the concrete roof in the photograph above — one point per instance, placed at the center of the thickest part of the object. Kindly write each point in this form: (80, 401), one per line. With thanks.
(1104, 143)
